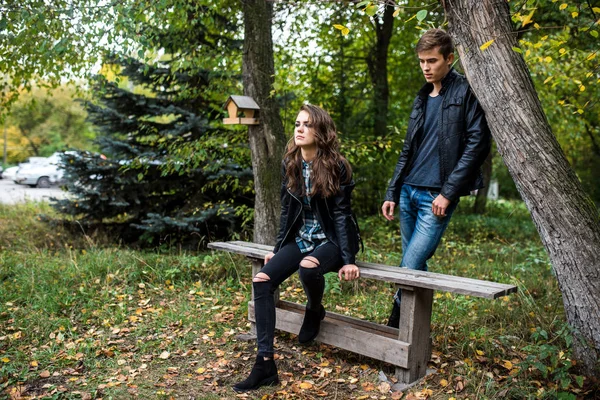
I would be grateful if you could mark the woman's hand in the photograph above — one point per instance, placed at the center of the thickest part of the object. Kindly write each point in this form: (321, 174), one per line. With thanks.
(349, 271)
(268, 256)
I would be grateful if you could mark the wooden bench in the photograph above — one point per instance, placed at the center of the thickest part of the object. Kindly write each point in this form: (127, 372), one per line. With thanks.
(408, 348)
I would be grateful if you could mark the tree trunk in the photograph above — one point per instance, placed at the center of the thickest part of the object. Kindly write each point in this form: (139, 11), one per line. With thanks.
(267, 140)
(566, 218)
(482, 194)
(377, 64)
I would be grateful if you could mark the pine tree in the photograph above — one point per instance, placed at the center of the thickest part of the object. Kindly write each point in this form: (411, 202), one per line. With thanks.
(168, 170)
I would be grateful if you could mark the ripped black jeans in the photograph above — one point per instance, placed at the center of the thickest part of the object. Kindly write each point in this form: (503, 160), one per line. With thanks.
(278, 269)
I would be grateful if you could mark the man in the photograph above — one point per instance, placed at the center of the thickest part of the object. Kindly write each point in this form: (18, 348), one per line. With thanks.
(447, 141)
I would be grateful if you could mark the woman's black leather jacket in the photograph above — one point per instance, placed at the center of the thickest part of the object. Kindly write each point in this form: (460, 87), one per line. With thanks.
(464, 139)
(333, 213)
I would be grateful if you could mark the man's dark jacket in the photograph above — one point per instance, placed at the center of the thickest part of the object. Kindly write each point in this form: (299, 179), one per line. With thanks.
(464, 139)
(334, 214)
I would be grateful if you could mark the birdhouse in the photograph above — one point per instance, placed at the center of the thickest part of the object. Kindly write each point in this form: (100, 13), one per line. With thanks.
(241, 110)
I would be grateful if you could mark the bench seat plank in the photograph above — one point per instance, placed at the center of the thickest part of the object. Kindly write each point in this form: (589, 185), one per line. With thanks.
(401, 276)
(358, 336)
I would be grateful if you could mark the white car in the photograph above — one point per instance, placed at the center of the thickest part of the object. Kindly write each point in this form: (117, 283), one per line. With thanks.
(10, 173)
(41, 175)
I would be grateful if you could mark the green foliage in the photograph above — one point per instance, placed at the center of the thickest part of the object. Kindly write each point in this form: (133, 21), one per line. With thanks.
(169, 174)
(41, 123)
(547, 359)
(563, 62)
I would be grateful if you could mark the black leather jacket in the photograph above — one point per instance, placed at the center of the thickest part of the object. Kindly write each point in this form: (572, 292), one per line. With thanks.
(333, 213)
(464, 139)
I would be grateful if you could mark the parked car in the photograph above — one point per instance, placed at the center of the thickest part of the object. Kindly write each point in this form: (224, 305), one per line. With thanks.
(10, 173)
(43, 174)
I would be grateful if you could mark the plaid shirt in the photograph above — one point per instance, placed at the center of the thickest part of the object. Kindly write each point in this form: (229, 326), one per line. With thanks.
(311, 235)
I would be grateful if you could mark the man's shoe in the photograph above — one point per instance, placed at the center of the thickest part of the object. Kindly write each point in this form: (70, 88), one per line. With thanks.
(394, 320)
(264, 373)
(311, 325)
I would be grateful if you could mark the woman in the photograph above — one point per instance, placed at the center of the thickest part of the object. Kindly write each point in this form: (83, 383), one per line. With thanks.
(317, 234)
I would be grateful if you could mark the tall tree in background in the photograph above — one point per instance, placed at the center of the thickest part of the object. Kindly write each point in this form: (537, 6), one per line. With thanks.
(566, 218)
(167, 175)
(267, 140)
(377, 62)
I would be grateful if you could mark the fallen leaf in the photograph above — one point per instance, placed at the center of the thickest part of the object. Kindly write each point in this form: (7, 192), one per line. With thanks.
(164, 355)
(384, 387)
(45, 374)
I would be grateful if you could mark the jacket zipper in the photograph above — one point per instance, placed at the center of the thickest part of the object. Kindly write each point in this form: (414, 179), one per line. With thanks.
(295, 219)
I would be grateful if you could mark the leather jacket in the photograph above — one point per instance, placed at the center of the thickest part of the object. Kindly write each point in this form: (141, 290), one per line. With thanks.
(334, 214)
(464, 139)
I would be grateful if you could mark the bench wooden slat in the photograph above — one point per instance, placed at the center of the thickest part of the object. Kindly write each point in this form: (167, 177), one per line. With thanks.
(401, 276)
(352, 334)
(477, 282)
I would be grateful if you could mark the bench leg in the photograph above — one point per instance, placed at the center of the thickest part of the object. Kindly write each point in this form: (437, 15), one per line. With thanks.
(256, 267)
(415, 328)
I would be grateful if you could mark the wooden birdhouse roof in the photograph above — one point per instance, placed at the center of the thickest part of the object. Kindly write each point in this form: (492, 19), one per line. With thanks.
(244, 102)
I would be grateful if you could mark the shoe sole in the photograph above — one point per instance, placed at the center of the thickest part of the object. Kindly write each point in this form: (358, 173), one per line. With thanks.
(270, 381)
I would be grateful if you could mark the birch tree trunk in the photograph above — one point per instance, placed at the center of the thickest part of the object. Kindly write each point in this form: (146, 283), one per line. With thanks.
(566, 218)
(267, 140)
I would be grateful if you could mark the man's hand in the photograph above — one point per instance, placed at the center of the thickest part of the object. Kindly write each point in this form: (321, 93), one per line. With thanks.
(349, 271)
(387, 210)
(439, 206)
(268, 256)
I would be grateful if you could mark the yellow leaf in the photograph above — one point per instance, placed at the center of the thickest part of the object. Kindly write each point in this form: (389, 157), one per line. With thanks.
(5, 359)
(34, 364)
(443, 383)
(563, 6)
(306, 385)
(582, 88)
(508, 365)
(536, 26)
(200, 370)
(395, 14)
(596, 10)
(479, 352)
(486, 44)
(591, 57)
(527, 19)
(580, 111)
(574, 14)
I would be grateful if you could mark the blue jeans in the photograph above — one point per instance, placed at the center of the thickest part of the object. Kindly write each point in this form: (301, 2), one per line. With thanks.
(279, 268)
(421, 230)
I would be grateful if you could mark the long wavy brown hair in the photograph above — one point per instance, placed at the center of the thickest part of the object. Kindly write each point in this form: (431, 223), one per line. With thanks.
(326, 172)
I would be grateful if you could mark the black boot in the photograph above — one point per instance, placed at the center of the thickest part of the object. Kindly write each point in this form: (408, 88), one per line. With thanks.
(311, 325)
(264, 373)
(394, 320)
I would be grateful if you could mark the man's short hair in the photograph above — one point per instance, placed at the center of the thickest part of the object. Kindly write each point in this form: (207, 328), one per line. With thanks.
(434, 38)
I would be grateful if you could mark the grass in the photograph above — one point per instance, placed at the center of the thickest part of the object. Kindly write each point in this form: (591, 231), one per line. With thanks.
(83, 319)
